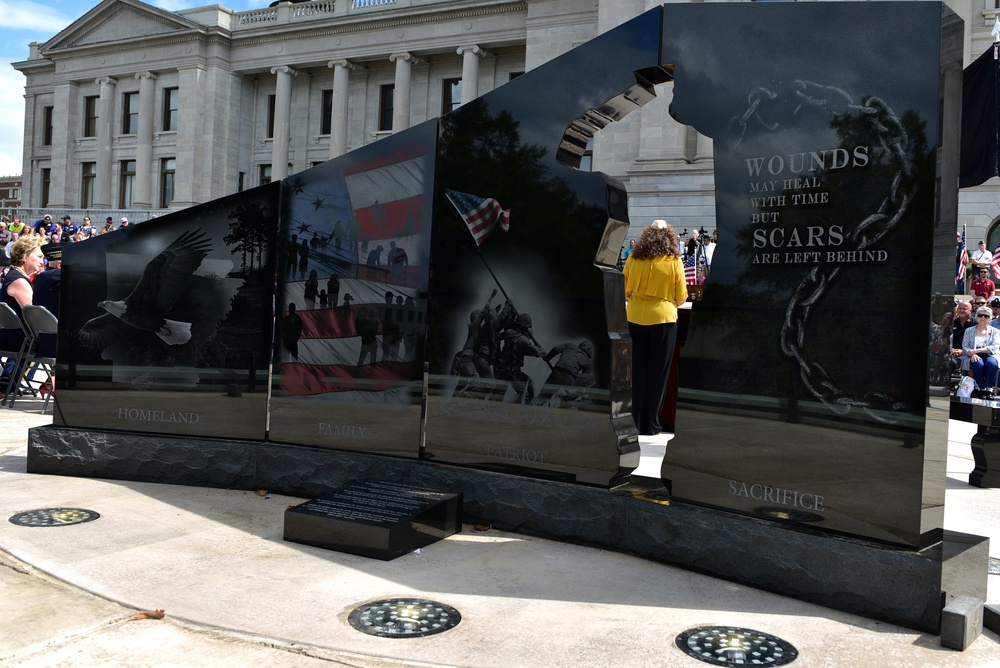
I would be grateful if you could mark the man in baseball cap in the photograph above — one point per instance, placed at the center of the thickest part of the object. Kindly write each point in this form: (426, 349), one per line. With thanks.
(124, 222)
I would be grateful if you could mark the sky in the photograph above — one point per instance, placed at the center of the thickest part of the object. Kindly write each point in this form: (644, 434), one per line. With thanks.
(26, 21)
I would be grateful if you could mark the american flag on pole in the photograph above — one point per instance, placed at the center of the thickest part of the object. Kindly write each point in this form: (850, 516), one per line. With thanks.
(691, 269)
(479, 213)
(963, 257)
(996, 261)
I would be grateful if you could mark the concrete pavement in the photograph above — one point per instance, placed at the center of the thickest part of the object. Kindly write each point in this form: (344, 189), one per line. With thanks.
(235, 594)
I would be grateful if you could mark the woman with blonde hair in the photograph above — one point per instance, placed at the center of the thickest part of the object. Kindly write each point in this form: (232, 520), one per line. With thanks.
(654, 287)
(26, 260)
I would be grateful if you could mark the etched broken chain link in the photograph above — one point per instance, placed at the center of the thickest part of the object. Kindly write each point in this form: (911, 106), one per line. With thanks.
(893, 139)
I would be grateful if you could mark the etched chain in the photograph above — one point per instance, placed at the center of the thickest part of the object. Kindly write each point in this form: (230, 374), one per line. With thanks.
(893, 138)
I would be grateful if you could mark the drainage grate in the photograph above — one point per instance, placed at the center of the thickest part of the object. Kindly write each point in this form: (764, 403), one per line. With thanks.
(54, 517)
(404, 618)
(730, 646)
(993, 566)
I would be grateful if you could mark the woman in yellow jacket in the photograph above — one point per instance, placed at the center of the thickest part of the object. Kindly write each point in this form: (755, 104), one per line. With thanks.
(654, 287)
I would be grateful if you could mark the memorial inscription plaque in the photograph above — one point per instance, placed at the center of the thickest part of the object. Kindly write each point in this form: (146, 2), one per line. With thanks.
(383, 520)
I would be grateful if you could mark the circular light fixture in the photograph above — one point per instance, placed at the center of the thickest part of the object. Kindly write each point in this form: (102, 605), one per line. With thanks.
(404, 618)
(54, 517)
(731, 646)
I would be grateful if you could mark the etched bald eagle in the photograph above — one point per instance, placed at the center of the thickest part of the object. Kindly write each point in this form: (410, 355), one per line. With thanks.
(145, 309)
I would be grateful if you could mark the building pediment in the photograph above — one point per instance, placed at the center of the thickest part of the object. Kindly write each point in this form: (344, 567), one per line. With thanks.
(118, 21)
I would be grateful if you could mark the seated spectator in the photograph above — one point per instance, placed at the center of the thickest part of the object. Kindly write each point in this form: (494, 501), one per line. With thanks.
(109, 225)
(995, 307)
(963, 321)
(5, 238)
(17, 227)
(980, 348)
(86, 230)
(983, 287)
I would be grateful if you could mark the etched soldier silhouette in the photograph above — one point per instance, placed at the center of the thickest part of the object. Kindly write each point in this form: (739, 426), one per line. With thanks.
(518, 343)
(291, 331)
(396, 259)
(303, 257)
(392, 330)
(573, 369)
(333, 290)
(366, 325)
(311, 289)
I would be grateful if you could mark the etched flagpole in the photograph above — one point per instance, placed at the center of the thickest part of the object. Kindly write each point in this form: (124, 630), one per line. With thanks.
(480, 216)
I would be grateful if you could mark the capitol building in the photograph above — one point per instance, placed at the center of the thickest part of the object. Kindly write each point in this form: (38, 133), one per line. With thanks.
(135, 107)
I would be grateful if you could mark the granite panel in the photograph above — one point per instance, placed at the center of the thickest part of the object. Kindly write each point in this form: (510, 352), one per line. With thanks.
(802, 358)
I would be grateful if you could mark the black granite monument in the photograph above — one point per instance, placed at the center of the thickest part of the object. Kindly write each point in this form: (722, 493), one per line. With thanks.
(447, 296)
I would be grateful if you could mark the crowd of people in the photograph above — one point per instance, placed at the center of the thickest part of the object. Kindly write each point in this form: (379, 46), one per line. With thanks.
(695, 253)
(61, 232)
(967, 340)
(32, 276)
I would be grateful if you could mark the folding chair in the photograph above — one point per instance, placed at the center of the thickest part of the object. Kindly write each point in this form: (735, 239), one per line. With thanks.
(15, 343)
(43, 327)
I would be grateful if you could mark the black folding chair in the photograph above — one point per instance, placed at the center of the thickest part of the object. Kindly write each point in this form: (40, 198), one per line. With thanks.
(43, 327)
(15, 344)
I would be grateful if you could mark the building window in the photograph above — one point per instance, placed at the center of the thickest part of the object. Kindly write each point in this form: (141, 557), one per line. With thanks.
(47, 126)
(89, 177)
(265, 174)
(241, 181)
(46, 182)
(170, 99)
(126, 190)
(451, 95)
(326, 111)
(168, 167)
(130, 113)
(90, 115)
(513, 75)
(270, 116)
(385, 107)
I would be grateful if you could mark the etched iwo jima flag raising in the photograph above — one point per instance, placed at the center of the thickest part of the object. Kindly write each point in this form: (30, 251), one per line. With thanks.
(421, 299)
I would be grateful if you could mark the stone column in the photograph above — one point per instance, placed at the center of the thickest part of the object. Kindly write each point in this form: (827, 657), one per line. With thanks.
(401, 94)
(65, 180)
(143, 198)
(105, 134)
(470, 71)
(338, 113)
(282, 117)
(704, 147)
(31, 187)
(191, 137)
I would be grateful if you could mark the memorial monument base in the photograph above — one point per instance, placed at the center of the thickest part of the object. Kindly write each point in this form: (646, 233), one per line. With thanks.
(382, 520)
(986, 443)
(901, 586)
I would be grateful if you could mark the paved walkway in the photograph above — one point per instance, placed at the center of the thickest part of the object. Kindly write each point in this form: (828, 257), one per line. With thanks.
(235, 594)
